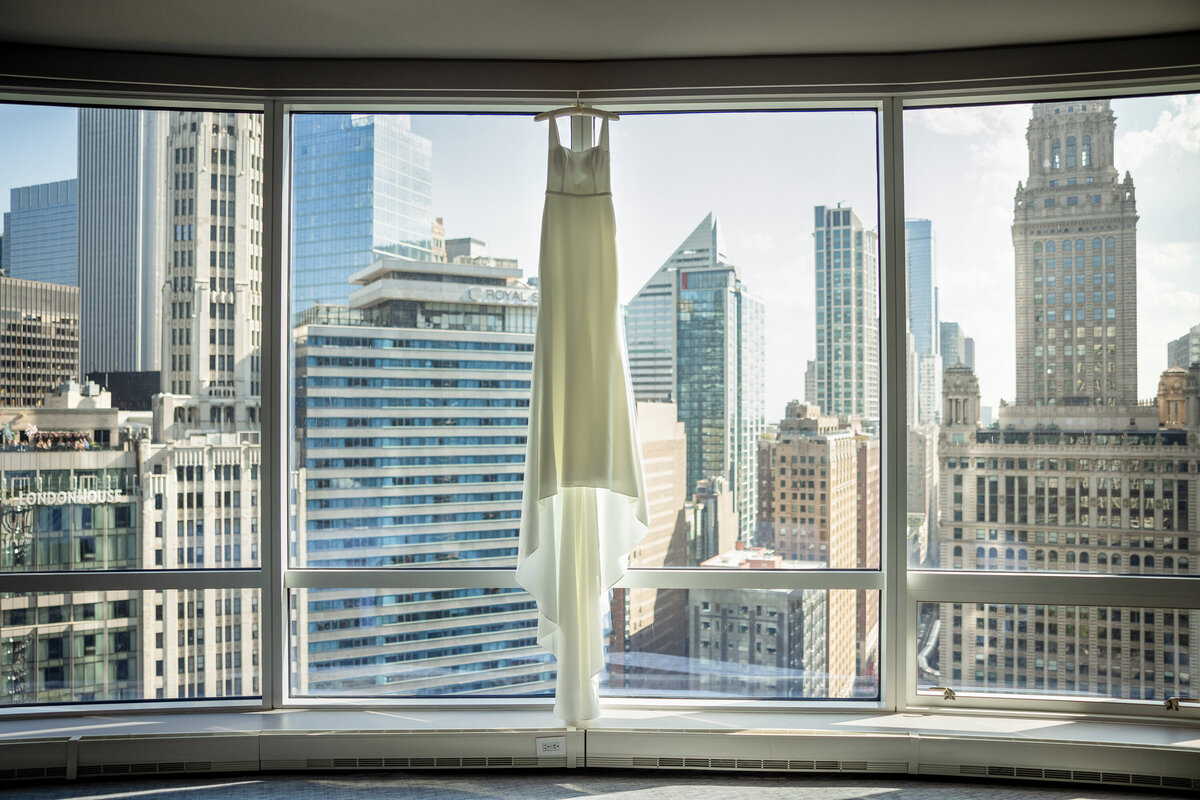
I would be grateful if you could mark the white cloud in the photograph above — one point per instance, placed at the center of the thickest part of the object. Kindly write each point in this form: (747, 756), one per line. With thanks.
(1175, 132)
(995, 122)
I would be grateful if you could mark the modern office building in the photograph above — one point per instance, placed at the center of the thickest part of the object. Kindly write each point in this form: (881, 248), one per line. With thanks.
(921, 277)
(1184, 351)
(412, 407)
(40, 233)
(362, 189)
(954, 347)
(847, 322)
(1075, 240)
(124, 237)
(651, 317)
(694, 334)
(39, 339)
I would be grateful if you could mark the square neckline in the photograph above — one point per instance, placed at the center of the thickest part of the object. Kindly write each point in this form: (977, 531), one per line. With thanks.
(601, 143)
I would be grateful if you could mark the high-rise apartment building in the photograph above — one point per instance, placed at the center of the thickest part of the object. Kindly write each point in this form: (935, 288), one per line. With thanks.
(695, 335)
(1184, 351)
(412, 404)
(39, 339)
(362, 189)
(1075, 242)
(847, 324)
(40, 233)
(124, 237)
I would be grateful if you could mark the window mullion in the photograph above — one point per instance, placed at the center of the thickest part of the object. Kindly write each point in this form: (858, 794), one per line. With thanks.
(275, 475)
(896, 637)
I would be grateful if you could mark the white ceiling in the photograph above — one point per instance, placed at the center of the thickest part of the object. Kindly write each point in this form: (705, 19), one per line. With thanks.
(576, 29)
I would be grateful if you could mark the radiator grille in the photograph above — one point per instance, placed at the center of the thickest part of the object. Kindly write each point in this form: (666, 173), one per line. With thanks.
(1056, 774)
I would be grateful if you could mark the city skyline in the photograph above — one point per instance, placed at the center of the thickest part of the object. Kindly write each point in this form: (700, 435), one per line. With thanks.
(768, 226)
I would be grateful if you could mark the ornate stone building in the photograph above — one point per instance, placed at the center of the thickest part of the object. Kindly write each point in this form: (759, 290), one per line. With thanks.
(1075, 245)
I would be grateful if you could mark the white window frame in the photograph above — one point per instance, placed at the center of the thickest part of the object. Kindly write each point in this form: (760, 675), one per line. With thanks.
(901, 588)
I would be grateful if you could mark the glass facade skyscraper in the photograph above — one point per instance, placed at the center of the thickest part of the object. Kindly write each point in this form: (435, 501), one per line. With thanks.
(847, 314)
(922, 288)
(41, 232)
(695, 335)
(362, 189)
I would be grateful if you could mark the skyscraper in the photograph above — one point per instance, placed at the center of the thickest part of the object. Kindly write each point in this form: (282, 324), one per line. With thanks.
(413, 407)
(123, 237)
(1075, 240)
(211, 298)
(361, 190)
(39, 339)
(40, 232)
(650, 317)
(696, 334)
(847, 285)
(921, 302)
(922, 286)
(1184, 351)
(954, 346)
(1078, 477)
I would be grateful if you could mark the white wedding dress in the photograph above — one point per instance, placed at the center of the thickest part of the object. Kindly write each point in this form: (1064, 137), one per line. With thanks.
(584, 505)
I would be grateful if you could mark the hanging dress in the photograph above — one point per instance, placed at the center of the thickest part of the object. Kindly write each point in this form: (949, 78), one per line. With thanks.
(584, 505)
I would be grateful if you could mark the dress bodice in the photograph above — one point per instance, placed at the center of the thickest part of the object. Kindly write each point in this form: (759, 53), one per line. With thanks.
(578, 172)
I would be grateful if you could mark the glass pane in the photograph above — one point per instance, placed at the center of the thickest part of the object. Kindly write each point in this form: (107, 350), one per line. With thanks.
(763, 643)
(752, 326)
(1080, 651)
(413, 337)
(383, 642)
(1052, 421)
(412, 346)
(129, 383)
(82, 647)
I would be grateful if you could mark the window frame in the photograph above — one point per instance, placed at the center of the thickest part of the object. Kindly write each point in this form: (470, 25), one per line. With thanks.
(901, 588)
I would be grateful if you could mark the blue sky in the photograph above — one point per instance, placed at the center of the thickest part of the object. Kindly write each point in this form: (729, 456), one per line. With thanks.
(761, 174)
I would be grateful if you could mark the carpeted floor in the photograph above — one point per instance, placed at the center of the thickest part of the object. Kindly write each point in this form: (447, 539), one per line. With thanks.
(556, 785)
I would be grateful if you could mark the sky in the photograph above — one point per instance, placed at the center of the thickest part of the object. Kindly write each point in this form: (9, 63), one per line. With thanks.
(761, 174)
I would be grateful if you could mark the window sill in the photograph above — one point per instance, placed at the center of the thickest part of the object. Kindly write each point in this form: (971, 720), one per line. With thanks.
(1067, 748)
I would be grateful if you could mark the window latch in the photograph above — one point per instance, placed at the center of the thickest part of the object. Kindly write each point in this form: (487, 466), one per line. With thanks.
(1172, 703)
(947, 692)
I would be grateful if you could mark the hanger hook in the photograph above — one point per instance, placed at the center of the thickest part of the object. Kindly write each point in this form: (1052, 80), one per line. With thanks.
(578, 101)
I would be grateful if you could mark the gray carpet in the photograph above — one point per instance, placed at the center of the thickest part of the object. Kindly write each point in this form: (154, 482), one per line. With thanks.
(556, 785)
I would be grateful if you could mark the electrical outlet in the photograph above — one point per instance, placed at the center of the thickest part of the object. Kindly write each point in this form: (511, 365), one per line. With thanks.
(550, 746)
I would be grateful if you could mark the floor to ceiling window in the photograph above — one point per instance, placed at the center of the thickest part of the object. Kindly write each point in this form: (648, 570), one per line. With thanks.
(1050, 421)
